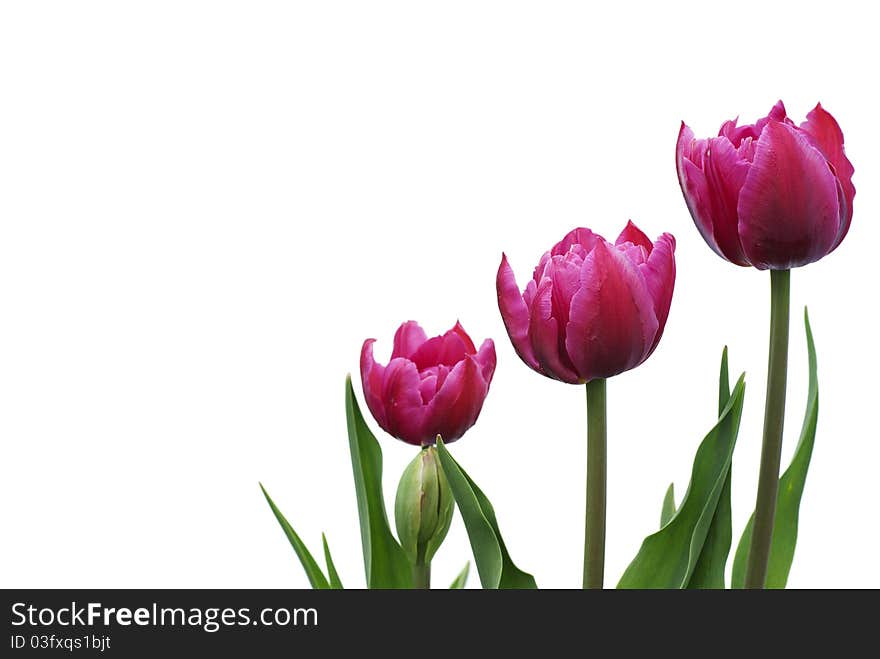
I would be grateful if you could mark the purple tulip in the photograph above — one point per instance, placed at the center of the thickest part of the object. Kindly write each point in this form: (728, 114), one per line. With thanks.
(592, 309)
(430, 387)
(771, 194)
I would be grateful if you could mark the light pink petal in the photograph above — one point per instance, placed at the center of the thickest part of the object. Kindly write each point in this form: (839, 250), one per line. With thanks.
(827, 136)
(788, 206)
(515, 313)
(407, 339)
(457, 404)
(612, 322)
(659, 273)
(547, 342)
(402, 398)
(632, 234)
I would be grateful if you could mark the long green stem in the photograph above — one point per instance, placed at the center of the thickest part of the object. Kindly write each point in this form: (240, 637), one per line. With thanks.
(594, 529)
(422, 575)
(774, 413)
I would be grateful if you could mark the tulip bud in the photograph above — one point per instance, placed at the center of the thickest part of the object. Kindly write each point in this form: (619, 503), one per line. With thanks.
(423, 507)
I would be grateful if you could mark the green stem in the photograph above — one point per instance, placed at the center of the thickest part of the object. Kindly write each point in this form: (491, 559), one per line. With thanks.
(594, 529)
(774, 413)
(422, 575)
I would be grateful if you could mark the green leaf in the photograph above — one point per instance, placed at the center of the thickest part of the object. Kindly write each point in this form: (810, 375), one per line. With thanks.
(335, 583)
(710, 567)
(668, 558)
(313, 572)
(494, 565)
(668, 509)
(791, 488)
(385, 563)
(461, 579)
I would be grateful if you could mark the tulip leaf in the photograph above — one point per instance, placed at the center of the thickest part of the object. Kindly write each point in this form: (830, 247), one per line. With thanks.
(385, 563)
(494, 565)
(709, 570)
(313, 572)
(335, 582)
(462, 577)
(669, 557)
(668, 509)
(791, 488)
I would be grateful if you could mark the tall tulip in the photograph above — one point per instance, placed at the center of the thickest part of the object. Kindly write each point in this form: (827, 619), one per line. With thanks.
(592, 310)
(775, 196)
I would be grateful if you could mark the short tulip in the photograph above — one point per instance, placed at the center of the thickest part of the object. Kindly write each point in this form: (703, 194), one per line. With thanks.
(771, 194)
(593, 309)
(430, 387)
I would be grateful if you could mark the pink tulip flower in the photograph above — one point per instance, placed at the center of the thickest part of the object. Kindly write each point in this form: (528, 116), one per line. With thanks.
(770, 194)
(430, 387)
(592, 309)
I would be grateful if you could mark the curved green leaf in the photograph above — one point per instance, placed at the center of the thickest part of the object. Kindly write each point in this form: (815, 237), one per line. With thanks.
(709, 570)
(494, 565)
(791, 488)
(313, 572)
(385, 563)
(461, 579)
(668, 558)
(668, 509)
(335, 583)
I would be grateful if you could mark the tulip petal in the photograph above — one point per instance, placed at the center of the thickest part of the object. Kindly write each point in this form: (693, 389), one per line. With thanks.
(404, 410)
(788, 206)
(457, 404)
(372, 379)
(725, 174)
(703, 199)
(486, 360)
(547, 344)
(632, 234)
(612, 322)
(828, 137)
(659, 273)
(448, 349)
(407, 339)
(580, 236)
(515, 313)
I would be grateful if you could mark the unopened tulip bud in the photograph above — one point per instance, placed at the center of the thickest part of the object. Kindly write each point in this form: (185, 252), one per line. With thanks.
(423, 507)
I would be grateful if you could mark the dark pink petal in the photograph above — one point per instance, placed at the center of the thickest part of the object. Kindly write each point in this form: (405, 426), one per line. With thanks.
(700, 197)
(564, 274)
(827, 136)
(468, 343)
(448, 349)
(736, 134)
(515, 313)
(725, 174)
(372, 380)
(407, 339)
(789, 212)
(659, 272)
(404, 410)
(485, 358)
(544, 333)
(580, 236)
(457, 404)
(632, 234)
(612, 322)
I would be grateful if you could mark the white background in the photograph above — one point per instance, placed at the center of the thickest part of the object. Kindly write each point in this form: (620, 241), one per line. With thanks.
(206, 207)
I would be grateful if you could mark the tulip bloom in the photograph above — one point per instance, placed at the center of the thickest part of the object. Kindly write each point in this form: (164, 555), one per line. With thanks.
(430, 387)
(592, 309)
(771, 194)
(775, 196)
